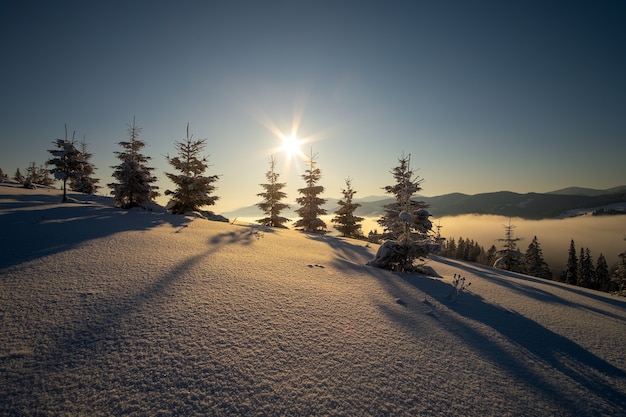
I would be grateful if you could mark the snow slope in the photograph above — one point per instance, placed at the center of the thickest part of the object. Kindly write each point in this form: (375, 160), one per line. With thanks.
(111, 312)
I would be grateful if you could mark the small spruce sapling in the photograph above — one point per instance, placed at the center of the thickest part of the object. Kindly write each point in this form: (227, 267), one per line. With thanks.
(18, 176)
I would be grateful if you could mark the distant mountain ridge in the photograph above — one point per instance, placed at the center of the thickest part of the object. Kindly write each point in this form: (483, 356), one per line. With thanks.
(591, 192)
(553, 204)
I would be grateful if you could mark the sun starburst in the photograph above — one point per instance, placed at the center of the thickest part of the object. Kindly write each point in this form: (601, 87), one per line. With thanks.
(291, 145)
(290, 141)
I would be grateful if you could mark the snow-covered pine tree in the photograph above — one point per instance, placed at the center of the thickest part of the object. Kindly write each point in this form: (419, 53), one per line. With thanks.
(134, 187)
(67, 161)
(272, 196)
(85, 183)
(193, 190)
(37, 175)
(347, 223)
(18, 176)
(310, 204)
(406, 223)
(509, 258)
(43, 176)
(535, 263)
(32, 176)
(439, 240)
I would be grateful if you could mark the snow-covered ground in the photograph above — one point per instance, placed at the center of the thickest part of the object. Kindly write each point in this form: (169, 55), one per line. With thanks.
(110, 312)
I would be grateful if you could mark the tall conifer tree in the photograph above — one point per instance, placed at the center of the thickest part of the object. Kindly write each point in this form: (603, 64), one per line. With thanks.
(193, 190)
(602, 275)
(490, 256)
(620, 272)
(535, 263)
(571, 268)
(346, 222)
(406, 223)
(405, 218)
(67, 161)
(310, 204)
(272, 196)
(134, 177)
(85, 183)
(586, 272)
(510, 258)
(18, 176)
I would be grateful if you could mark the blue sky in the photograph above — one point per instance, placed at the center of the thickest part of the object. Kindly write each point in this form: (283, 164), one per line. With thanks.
(485, 96)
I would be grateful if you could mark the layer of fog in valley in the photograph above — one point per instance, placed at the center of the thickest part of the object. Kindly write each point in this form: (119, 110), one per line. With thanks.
(601, 234)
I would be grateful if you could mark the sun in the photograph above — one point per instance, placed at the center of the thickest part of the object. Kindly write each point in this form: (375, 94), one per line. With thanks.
(291, 145)
(290, 141)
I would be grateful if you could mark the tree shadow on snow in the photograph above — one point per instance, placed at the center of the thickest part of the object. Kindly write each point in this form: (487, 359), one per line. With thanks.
(96, 336)
(93, 335)
(244, 234)
(516, 282)
(349, 252)
(565, 358)
(31, 228)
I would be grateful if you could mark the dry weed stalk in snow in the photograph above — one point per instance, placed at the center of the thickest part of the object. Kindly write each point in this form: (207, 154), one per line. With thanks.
(458, 286)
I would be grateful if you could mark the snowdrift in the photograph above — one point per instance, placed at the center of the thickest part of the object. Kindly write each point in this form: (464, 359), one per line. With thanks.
(112, 312)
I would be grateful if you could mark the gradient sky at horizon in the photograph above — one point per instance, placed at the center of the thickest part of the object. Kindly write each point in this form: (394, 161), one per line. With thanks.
(486, 96)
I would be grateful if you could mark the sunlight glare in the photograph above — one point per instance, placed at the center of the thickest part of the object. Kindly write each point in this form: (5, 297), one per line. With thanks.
(290, 145)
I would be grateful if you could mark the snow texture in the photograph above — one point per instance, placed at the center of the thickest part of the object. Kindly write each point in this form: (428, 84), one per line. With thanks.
(134, 312)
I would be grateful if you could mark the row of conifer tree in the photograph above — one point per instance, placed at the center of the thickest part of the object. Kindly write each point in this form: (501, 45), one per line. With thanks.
(135, 186)
(580, 270)
(405, 222)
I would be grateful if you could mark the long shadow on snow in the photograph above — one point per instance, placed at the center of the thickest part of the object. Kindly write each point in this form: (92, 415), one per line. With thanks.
(101, 318)
(563, 355)
(349, 251)
(98, 324)
(516, 284)
(93, 335)
(32, 233)
(242, 234)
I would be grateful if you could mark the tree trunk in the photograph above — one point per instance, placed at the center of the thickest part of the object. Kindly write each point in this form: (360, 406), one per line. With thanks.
(64, 191)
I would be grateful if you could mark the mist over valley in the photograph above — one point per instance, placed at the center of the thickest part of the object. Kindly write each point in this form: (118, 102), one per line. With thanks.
(555, 218)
